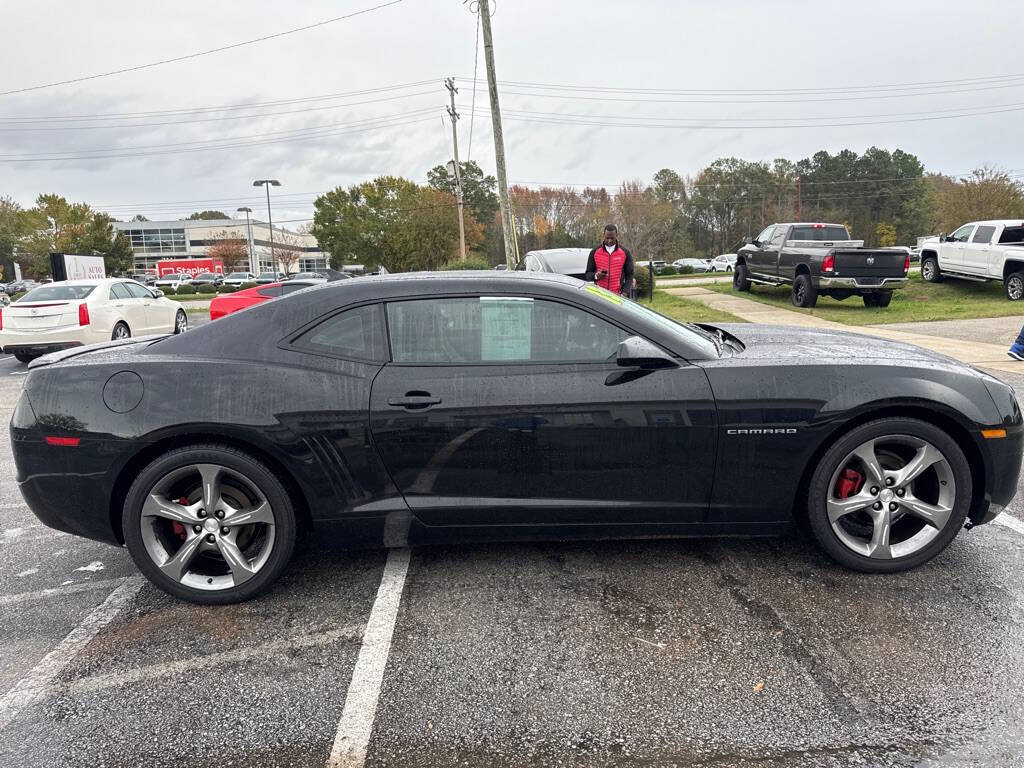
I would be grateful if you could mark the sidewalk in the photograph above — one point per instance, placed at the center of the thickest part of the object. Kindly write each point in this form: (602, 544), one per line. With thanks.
(977, 353)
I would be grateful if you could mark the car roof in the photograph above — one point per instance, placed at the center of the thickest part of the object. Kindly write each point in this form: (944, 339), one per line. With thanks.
(1004, 222)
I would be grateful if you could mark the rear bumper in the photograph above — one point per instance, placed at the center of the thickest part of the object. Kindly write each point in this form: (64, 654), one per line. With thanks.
(50, 340)
(862, 283)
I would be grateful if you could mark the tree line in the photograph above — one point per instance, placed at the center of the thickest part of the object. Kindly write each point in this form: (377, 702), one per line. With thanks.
(885, 198)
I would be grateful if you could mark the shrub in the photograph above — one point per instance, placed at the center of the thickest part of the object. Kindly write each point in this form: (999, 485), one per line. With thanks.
(669, 270)
(686, 269)
(185, 290)
(249, 284)
(227, 289)
(166, 289)
(471, 262)
(207, 288)
(643, 281)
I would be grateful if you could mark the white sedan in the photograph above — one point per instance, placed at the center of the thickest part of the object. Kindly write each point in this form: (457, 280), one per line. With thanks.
(77, 312)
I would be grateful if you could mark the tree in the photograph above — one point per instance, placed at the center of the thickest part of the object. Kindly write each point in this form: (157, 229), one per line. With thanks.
(481, 200)
(231, 249)
(289, 253)
(208, 216)
(988, 193)
(391, 222)
(644, 221)
(138, 217)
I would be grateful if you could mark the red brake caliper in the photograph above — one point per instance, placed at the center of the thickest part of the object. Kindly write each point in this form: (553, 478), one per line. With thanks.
(849, 483)
(178, 528)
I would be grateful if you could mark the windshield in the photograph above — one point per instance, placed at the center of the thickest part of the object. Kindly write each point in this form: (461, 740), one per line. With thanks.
(57, 292)
(690, 334)
(239, 274)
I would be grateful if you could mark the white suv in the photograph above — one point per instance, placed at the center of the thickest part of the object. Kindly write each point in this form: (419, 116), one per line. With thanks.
(981, 250)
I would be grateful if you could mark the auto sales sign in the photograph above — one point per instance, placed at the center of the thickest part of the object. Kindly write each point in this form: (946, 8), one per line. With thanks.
(72, 266)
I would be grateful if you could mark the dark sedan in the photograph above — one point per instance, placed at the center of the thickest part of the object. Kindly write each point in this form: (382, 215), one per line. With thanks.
(415, 408)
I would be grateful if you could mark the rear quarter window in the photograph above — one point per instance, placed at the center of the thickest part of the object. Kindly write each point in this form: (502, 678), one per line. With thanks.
(1012, 235)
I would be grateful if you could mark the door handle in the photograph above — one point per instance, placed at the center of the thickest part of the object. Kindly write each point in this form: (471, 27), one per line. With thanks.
(414, 400)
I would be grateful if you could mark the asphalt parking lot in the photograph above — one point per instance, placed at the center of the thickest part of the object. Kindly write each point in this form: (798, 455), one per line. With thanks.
(690, 653)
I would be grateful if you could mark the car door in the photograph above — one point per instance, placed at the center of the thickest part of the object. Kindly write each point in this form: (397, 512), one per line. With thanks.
(977, 250)
(128, 308)
(155, 317)
(756, 260)
(951, 252)
(773, 255)
(510, 410)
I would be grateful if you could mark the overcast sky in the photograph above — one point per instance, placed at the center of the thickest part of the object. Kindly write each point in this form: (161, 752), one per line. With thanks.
(708, 48)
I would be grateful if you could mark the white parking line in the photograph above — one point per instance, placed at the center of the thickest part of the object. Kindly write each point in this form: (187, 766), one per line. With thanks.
(264, 651)
(27, 690)
(70, 589)
(353, 737)
(1010, 522)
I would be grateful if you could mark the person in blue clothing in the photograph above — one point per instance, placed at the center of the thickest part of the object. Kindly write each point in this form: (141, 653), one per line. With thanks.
(1016, 350)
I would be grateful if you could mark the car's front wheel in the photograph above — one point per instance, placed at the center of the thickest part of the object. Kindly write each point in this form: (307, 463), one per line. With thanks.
(741, 278)
(890, 495)
(209, 524)
(930, 271)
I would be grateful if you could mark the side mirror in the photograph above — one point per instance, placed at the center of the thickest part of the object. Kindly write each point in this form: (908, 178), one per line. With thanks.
(157, 293)
(637, 352)
(942, 237)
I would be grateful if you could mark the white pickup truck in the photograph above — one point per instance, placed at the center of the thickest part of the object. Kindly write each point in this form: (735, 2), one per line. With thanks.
(981, 250)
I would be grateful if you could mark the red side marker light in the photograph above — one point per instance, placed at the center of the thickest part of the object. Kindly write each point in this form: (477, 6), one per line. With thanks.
(69, 442)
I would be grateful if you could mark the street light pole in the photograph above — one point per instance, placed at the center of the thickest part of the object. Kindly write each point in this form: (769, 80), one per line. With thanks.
(248, 239)
(268, 183)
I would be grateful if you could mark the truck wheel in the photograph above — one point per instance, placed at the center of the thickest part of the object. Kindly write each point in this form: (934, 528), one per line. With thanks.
(740, 278)
(930, 271)
(1014, 284)
(805, 294)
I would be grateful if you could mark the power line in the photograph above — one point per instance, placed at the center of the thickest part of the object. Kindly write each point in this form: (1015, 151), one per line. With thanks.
(32, 128)
(198, 53)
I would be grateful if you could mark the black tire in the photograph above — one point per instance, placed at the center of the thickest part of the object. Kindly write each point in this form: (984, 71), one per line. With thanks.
(741, 278)
(121, 331)
(1014, 286)
(839, 295)
(24, 357)
(180, 322)
(255, 472)
(930, 271)
(882, 298)
(817, 514)
(870, 300)
(805, 293)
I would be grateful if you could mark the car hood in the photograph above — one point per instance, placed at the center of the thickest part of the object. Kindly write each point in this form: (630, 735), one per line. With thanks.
(814, 345)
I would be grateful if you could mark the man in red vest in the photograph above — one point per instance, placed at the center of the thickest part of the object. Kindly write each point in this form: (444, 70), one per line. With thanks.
(610, 265)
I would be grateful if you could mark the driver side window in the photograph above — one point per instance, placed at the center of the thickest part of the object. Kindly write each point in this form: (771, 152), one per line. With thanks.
(961, 235)
(764, 236)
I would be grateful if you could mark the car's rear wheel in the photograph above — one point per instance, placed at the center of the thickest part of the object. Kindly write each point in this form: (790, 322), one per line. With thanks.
(24, 357)
(121, 331)
(890, 495)
(805, 293)
(209, 524)
(1014, 285)
(180, 322)
(930, 271)
(741, 278)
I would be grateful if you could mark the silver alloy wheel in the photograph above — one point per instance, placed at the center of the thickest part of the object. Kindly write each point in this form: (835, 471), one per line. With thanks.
(928, 269)
(121, 331)
(904, 502)
(1015, 288)
(180, 322)
(208, 527)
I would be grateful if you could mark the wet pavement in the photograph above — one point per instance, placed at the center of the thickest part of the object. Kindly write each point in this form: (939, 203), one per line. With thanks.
(707, 652)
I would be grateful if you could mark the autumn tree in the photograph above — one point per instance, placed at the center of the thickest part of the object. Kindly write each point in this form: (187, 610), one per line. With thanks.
(231, 249)
(988, 193)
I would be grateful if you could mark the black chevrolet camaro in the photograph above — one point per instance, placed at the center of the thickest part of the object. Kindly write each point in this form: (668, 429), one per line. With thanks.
(403, 409)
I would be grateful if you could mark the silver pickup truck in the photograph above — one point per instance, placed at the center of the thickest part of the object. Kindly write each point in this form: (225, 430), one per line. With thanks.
(821, 260)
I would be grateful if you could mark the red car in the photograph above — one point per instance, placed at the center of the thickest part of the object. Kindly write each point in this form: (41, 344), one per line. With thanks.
(250, 297)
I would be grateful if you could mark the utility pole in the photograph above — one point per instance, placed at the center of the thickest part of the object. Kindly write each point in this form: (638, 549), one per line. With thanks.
(507, 224)
(452, 90)
(799, 199)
